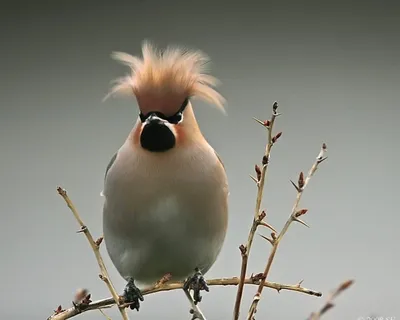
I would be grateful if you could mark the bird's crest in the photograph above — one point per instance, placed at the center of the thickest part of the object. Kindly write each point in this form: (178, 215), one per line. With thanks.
(163, 79)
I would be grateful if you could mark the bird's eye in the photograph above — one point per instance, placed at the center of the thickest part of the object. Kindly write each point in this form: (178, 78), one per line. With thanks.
(176, 118)
(142, 117)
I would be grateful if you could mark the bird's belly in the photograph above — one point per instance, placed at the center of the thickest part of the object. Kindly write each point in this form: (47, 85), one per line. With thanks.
(166, 234)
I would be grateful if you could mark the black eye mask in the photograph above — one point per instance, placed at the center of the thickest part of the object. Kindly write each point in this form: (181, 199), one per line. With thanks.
(174, 119)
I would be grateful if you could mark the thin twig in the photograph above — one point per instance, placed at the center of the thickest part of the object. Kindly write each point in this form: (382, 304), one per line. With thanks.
(329, 302)
(104, 314)
(109, 302)
(95, 247)
(195, 310)
(260, 180)
(294, 217)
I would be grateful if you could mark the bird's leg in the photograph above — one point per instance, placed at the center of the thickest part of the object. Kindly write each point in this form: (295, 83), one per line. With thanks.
(132, 295)
(196, 283)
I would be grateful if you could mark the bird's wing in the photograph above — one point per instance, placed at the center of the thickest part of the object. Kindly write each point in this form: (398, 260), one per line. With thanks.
(219, 159)
(110, 164)
(223, 166)
(108, 168)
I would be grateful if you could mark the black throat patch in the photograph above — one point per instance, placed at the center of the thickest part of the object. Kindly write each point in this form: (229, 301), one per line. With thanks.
(156, 136)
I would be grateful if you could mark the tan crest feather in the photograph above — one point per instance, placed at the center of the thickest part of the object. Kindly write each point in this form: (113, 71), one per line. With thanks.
(175, 73)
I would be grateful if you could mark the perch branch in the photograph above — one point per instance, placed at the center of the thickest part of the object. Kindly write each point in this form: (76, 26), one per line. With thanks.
(109, 302)
(258, 217)
(329, 302)
(294, 217)
(95, 247)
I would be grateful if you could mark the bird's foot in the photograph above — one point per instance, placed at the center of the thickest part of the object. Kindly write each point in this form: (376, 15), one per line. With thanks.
(132, 295)
(196, 282)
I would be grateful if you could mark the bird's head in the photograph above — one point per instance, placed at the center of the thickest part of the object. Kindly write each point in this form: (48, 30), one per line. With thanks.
(163, 84)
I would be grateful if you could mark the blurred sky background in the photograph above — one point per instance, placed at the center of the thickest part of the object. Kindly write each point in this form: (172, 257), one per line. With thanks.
(333, 66)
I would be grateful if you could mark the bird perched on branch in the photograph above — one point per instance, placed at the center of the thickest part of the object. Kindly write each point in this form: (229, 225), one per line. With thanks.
(165, 189)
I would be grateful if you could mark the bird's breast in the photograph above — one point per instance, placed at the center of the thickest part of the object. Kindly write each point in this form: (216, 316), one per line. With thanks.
(143, 186)
(166, 217)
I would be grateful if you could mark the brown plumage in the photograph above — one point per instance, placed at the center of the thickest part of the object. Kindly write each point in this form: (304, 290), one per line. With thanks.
(161, 80)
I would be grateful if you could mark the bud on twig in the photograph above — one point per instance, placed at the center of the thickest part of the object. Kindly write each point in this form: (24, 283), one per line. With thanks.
(258, 172)
(256, 277)
(275, 106)
(86, 300)
(242, 249)
(262, 215)
(321, 157)
(345, 285)
(277, 136)
(300, 212)
(58, 310)
(99, 241)
(301, 180)
(103, 278)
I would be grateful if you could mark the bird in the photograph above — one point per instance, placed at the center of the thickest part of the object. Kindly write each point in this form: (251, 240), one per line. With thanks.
(165, 190)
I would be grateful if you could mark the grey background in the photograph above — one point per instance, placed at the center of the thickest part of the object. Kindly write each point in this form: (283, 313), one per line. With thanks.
(334, 69)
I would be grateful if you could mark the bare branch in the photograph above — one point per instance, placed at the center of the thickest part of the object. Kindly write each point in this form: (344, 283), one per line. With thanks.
(254, 280)
(95, 247)
(261, 179)
(302, 184)
(104, 314)
(329, 302)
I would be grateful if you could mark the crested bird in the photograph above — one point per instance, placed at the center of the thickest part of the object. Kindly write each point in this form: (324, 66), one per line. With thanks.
(165, 190)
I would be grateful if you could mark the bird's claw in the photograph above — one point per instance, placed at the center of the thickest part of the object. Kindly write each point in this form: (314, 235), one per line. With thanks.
(132, 295)
(196, 283)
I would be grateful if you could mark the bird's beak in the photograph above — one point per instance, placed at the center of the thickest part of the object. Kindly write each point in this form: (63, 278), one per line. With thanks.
(153, 119)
